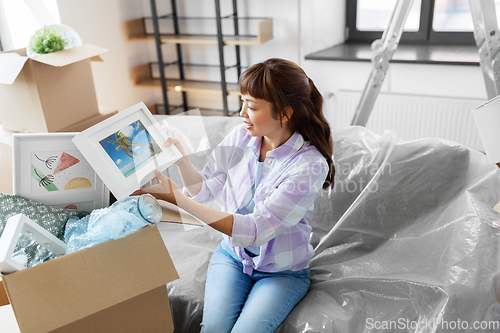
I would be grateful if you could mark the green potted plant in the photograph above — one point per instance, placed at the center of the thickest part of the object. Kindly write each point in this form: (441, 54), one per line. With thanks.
(47, 40)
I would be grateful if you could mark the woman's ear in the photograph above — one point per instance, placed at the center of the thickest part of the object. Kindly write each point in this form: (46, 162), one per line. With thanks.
(287, 114)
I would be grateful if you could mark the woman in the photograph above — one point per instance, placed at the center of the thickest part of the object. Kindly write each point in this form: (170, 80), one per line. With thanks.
(269, 171)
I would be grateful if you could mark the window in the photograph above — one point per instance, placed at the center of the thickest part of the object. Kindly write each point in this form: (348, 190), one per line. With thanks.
(429, 21)
(20, 19)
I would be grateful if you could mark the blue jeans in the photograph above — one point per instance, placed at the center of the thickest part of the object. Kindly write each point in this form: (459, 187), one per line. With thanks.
(238, 302)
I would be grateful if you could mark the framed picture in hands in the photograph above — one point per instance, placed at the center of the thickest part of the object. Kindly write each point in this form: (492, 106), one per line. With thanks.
(126, 148)
(49, 168)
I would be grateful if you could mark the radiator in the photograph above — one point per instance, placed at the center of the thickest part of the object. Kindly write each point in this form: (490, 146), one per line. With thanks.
(413, 116)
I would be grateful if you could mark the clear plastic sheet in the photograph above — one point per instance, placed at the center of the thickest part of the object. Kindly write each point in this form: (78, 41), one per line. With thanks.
(407, 241)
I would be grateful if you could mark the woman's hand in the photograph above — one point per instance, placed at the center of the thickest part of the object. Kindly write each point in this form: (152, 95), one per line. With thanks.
(165, 189)
(179, 146)
(191, 179)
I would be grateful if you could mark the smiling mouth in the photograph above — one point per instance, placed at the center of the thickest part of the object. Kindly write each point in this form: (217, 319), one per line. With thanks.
(247, 125)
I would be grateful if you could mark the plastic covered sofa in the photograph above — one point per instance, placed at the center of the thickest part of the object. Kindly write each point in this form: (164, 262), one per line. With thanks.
(407, 240)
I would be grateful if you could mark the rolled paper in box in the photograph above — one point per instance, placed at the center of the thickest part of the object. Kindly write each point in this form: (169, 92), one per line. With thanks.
(487, 117)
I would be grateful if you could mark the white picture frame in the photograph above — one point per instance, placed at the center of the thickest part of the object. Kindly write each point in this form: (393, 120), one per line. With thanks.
(126, 148)
(49, 168)
(16, 225)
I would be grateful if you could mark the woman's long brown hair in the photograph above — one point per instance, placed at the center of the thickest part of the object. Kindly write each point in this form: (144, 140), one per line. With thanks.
(284, 84)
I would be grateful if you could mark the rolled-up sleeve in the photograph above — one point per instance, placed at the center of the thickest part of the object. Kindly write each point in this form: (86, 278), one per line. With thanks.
(282, 208)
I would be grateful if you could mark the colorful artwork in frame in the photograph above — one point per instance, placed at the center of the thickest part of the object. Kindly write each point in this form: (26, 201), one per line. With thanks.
(56, 171)
(48, 168)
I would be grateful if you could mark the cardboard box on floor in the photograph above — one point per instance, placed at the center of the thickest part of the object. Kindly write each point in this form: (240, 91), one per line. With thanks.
(115, 286)
(50, 92)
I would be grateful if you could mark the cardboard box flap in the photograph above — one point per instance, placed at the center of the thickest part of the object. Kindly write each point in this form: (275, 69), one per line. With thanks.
(4, 300)
(69, 56)
(96, 58)
(11, 65)
(79, 284)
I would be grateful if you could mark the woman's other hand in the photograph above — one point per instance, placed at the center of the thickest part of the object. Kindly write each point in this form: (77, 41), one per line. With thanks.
(168, 191)
(164, 189)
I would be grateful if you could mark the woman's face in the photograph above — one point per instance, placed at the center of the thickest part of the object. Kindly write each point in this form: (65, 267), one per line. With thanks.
(258, 117)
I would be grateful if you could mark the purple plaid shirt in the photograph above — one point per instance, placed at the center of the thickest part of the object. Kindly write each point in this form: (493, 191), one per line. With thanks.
(292, 178)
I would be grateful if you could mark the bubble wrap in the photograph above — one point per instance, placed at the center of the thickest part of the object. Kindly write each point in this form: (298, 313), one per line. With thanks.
(120, 219)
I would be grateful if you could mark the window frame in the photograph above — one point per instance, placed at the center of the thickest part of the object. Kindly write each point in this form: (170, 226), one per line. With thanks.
(425, 34)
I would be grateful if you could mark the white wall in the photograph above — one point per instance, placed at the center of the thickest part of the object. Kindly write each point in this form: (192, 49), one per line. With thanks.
(102, 23)
(414, 79)
(322, 25)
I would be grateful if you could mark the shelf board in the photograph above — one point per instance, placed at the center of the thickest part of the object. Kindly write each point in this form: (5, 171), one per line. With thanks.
(190, 86)
(142, 78)
(136, 32)
(155, 108)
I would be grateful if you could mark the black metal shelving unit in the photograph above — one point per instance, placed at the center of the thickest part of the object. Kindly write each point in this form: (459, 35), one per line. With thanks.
(175, 18)
(153, 74)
